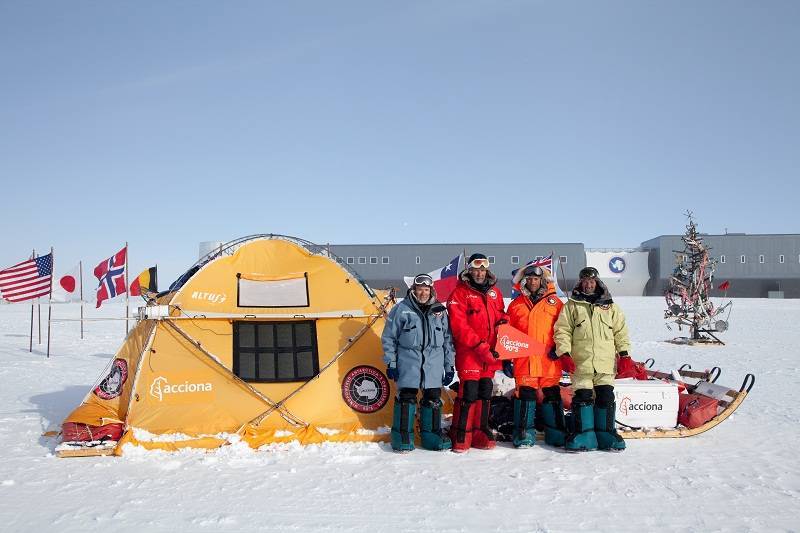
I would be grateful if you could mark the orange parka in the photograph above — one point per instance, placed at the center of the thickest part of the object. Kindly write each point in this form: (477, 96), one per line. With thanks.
(536, 319)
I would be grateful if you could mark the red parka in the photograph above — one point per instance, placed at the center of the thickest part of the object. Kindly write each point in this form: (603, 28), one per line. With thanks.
(474, 317)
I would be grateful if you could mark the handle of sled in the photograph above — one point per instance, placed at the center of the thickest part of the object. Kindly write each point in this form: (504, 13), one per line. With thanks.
(714, 374)
(745, 387)
(649, 362)
(685, 366)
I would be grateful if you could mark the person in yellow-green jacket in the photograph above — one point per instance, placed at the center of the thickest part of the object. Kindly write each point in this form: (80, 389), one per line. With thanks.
(590, 332)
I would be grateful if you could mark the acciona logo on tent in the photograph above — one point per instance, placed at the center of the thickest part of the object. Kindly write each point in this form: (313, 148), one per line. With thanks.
(161, 386)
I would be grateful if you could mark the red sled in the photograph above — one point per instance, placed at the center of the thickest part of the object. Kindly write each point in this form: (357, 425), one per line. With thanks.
(694, 410)
(73, 432)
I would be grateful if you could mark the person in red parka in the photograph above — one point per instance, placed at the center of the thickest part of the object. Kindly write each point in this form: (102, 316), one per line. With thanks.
(534, 312)
(476, 309)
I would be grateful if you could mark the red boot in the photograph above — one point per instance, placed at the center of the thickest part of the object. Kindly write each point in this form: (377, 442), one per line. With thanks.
(482, 436)
(461, 428)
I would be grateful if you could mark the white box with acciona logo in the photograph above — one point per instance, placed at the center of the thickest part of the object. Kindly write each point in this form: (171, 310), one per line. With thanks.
(646, 404)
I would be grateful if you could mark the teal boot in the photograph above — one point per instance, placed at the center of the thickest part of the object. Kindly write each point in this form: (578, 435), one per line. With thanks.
(555, 430)
(403, 426)
(524, 433)
(581, 436)
(605, 428)
(430, 427)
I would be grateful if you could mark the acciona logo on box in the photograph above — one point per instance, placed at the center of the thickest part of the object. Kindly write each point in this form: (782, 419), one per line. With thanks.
(627, 405)
(161, 386)
(512, 345)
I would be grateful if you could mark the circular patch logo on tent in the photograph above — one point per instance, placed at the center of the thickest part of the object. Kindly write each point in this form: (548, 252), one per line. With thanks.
(365, 389)
(111, 386)
(616, 265)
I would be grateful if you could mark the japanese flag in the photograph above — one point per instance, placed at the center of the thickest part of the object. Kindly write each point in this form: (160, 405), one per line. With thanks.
(67, 287)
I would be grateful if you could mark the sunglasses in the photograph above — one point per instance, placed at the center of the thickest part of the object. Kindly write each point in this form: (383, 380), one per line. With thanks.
(479, 263)
(423, 279)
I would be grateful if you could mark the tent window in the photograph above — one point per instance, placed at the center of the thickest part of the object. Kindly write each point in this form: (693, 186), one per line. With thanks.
(275, 351)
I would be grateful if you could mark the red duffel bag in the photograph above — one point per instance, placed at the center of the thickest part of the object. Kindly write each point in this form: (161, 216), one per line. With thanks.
(73, 432)
(694, 410)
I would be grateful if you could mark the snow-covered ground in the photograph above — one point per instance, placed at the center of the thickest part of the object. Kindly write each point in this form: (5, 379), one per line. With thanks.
(742, 475)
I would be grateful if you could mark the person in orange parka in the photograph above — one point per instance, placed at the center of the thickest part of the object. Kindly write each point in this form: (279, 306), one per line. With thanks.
(534, 312)
(476, 310)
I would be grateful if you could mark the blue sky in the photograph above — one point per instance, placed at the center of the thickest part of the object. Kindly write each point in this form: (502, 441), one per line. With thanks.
(169, 123)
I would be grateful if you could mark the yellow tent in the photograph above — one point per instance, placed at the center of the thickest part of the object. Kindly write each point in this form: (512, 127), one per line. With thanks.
(268, 339)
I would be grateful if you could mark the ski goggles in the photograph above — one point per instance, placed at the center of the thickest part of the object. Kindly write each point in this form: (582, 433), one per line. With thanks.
(589, 272)
(423, 279)
(533, 270)
(479, 263)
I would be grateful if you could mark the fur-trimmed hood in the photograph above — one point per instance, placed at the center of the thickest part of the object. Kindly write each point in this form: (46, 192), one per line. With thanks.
(520, 279)
(604, 297)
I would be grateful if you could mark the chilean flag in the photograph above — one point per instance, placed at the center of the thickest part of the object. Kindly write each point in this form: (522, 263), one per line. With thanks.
(445, 279)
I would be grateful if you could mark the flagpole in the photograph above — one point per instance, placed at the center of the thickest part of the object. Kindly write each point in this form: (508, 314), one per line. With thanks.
(30, 346)
(80, 275)
(50, 299)
(126, 288)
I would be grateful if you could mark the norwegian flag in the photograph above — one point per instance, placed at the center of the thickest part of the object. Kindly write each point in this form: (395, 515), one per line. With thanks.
(111, 274)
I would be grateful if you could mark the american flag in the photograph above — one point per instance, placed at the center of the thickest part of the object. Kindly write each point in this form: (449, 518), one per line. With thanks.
(27, 280)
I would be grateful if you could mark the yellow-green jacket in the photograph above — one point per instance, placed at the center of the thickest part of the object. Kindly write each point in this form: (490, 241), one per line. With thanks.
(593, 333)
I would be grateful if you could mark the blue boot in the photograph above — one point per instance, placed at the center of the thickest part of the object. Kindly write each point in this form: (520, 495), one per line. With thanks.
(403, 426)
(524, 433)
(581, 436)
(605, 428)
(430, 427)
(555, 429)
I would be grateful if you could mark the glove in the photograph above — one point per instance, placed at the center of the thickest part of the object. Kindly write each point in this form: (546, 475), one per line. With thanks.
(552, 355)
(567, 363)
(391, 373)
(448, 376)
(483, 351)
(500, 322)
(508, 368)
(626, 368)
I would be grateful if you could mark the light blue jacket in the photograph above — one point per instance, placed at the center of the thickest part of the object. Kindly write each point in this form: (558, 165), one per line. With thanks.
(418, 344)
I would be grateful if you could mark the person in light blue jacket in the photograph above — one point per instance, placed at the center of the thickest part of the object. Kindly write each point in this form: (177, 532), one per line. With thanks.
(418, 352)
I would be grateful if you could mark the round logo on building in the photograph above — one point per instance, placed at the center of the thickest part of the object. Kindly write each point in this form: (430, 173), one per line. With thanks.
(365, 389)
(616, 265)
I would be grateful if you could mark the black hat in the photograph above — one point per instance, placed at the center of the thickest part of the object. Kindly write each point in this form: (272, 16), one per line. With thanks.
(475, 256)
(589, 272)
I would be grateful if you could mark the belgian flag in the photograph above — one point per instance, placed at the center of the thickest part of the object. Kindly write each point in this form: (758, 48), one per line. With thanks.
(146, 282)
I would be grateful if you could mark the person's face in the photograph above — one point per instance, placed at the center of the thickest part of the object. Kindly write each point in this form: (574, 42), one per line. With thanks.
(588, 285)
(423, 293)
(478, 275)
(533, 283)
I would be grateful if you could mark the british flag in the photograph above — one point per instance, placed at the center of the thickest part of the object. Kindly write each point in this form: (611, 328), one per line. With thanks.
(111, 274)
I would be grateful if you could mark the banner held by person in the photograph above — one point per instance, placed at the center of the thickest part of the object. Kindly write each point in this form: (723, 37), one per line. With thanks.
(513, 344)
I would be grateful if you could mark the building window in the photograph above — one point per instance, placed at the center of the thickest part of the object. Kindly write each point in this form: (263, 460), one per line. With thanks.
(514, 259)
(385, 260)
(339, 260)
(373, 260)
(742, 259)
(562, 259)
(351, 260)
(538, 258)
(491, 259)
(761, 259)
(781, 259)
(419, 260)
(267, 352)
(362, 260)
(722, 259)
